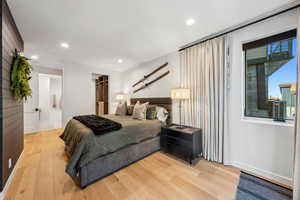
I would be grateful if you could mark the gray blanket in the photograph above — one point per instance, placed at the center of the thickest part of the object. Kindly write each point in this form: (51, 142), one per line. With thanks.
(83, 146)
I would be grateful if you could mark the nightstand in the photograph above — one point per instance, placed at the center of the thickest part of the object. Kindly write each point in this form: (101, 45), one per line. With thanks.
(185, 143)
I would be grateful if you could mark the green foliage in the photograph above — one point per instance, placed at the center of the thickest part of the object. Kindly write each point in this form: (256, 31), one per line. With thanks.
(20, 77)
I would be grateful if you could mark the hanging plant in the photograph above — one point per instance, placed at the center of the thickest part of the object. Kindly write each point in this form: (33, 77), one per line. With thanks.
(20, 76)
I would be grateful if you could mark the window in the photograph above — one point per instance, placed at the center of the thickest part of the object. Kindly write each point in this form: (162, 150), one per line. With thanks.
(270, 75)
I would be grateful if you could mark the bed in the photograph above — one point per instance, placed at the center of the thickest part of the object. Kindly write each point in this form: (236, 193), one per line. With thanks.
(94, 157)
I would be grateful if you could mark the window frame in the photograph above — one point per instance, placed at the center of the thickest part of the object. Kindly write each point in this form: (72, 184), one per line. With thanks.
(262, 120)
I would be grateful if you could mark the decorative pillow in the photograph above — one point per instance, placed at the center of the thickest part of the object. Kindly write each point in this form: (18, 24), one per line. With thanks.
(130, 109)
(151, 112)
(162, 114)
(139, 111)
(121, 109)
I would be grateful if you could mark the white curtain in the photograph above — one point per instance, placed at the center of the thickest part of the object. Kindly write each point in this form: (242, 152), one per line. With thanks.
(296, 193)
(205, 72)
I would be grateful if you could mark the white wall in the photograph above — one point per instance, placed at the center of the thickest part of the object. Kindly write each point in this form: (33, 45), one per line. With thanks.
(265, 149)
(160, 88)
(93, 96)
(77, 94)
(47, 70)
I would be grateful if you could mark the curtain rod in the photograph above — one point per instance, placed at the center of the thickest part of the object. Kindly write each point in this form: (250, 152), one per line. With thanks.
(242, 25)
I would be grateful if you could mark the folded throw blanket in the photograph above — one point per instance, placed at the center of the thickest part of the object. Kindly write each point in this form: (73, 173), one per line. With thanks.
(99, 125)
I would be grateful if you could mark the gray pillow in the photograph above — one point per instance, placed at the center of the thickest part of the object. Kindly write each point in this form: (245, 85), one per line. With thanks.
(130, 109)
(151, 112)
(139, 111)
(121, 109)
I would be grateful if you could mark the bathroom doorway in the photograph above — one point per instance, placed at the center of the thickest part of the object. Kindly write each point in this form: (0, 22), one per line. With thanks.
(43, 111)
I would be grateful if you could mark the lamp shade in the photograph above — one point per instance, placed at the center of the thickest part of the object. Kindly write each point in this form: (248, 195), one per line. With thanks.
(180, 93)
(120, 97)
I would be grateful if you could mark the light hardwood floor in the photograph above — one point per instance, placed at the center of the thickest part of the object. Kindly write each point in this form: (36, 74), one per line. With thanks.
(41, 176)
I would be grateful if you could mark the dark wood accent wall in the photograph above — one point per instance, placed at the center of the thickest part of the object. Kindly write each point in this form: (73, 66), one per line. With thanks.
(12, 128)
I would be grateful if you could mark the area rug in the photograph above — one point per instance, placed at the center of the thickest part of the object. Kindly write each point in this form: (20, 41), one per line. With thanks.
(254, 188)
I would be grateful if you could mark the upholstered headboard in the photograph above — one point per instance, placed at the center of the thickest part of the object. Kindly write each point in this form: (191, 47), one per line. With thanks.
(165, 102)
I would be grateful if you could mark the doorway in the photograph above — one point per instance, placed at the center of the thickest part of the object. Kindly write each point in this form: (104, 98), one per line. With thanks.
(100, 89)
(43, 111)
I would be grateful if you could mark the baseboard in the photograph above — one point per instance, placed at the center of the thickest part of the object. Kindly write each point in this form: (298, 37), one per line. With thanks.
(269, 175)
(38, 131)
(11, 176)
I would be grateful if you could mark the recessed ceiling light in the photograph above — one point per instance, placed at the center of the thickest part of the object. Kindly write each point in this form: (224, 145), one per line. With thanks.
(120, 61)
(64, 45)
(34, 57)
(190, 22)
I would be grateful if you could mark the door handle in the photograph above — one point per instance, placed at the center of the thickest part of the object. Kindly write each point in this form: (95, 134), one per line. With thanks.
(38, 110)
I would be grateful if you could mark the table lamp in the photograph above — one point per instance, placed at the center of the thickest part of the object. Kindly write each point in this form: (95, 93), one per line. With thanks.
(120, 97)
(180, 94)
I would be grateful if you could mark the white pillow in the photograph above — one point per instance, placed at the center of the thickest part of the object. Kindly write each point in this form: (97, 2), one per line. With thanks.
(162, 114)
(139, 111)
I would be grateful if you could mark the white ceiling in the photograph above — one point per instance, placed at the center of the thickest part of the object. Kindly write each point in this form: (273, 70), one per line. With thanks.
(102, 31)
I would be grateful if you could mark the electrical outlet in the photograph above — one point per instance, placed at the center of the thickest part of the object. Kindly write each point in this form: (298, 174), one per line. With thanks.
(9, 163)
